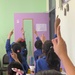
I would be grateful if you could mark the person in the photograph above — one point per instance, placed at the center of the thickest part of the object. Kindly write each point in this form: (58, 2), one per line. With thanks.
(60, 49)
(9, 51)
(38, 46)
(48, 72)
(15, 68)
(22, 41)
(50, 60)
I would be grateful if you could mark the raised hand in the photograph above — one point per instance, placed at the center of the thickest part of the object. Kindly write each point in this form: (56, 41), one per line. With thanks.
(59, 44)
(57, 22)
(35, 32)
(43, 38)
(10, 34)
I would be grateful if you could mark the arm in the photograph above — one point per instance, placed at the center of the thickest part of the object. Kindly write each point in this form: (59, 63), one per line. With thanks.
(61, 50)
(43, 38)
(8, 46)
(23, 36)
(57, 22)
(37, 37)
(14, 56)
(23, 33)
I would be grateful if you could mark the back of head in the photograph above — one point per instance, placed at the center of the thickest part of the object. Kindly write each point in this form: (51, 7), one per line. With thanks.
(23, 43)
(16, 47)
(51, 57)
(49, 72)
(38, 44)
(14, 65)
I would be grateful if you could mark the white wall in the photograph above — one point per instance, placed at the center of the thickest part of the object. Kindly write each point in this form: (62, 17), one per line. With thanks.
(68, 27)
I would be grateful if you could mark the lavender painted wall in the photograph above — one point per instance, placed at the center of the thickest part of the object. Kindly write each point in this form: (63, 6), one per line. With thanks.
(38, 18)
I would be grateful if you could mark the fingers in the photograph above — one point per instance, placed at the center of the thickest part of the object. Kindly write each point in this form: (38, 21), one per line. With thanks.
(57, 16)
(54, 41)
(58, 32)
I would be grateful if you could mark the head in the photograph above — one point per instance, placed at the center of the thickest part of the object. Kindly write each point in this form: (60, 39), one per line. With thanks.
(38, 44)
(22, 42)
(16, 47)
(51, 57)
(13, 65)
(49, 72)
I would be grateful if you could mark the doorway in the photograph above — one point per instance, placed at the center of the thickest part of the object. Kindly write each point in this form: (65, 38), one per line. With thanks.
(28, 28)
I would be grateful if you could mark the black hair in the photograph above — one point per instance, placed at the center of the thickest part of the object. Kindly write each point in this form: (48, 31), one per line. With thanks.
(23, 44)
(38, 44)
(51, 57)
(14, 65)
(16, 47)
(48, 72)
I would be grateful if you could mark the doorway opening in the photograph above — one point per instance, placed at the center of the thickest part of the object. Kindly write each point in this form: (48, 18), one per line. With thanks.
(28, 28)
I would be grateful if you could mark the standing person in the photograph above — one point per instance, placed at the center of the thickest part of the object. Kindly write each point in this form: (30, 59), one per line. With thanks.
(60, 49)
(50, 60)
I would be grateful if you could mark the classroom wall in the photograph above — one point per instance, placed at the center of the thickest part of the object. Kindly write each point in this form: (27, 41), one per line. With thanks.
(68, 27)
(7, 10)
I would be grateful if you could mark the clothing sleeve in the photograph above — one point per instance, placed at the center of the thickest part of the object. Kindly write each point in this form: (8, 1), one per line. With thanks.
(23, 70)
(8, 46)
(38, 66)
(55, 35)
(37, 38)
(35, 56)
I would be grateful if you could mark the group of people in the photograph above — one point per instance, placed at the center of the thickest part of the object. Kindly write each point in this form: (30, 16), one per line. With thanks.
(47, 57)
(53, 53)
(17, 52)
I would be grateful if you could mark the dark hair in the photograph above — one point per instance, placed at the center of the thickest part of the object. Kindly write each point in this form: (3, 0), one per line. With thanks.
(23, 44)
(16, 47)
(48, 72)
(51, 57)
(38, 44)
(14, 65)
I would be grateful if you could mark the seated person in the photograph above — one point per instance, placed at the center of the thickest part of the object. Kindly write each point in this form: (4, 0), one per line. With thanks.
(15, 68)
(9, 51)
(38, 46)
(50, 60)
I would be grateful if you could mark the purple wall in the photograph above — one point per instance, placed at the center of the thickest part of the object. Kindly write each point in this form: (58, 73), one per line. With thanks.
(38, 18)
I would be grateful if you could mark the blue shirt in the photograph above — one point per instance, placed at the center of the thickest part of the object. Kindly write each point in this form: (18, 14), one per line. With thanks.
(8, 50)
(37, 52)
(41, 65)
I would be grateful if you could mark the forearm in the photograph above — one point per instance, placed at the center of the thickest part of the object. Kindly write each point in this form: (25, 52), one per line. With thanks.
(17, 60)
(8, 46)
(23, 35)
(69, 67)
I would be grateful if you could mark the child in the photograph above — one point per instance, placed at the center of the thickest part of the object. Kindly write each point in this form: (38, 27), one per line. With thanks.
(15, 68)
(38, 46)
(8, 50)
(50, 60)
